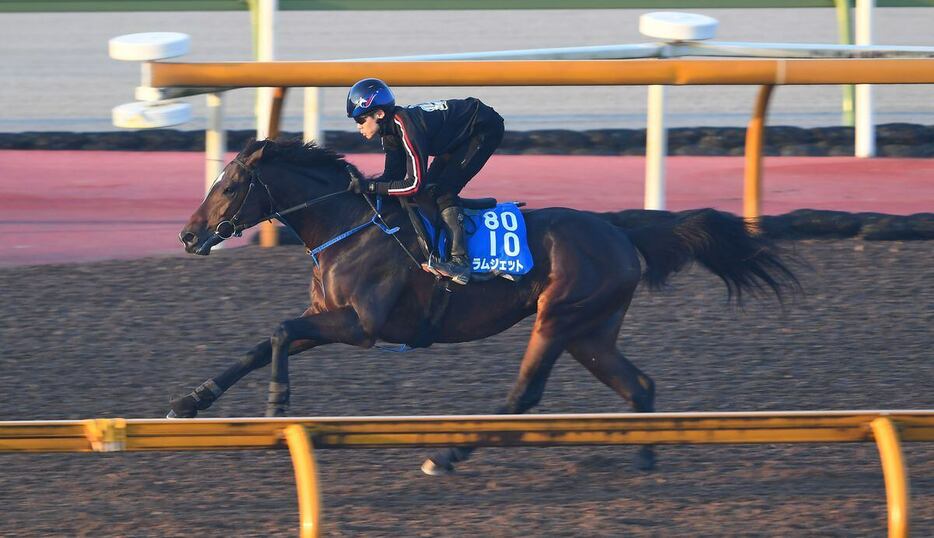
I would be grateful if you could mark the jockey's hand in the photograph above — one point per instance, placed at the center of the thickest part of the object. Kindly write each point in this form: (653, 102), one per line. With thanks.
(359, 186)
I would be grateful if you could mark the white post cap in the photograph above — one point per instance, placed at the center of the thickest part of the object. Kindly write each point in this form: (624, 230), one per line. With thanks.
(150, 115)
(677, 26)
(149, 46)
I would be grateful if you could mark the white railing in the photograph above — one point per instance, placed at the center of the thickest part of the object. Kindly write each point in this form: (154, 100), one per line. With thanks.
(656, 132)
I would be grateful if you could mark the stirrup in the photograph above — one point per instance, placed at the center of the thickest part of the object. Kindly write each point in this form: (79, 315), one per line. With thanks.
(459, 274)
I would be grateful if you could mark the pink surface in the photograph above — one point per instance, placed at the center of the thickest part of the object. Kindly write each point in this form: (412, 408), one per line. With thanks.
(71, 206)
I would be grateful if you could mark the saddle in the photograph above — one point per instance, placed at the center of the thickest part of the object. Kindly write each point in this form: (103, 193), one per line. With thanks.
(481, 203)
(416, 216)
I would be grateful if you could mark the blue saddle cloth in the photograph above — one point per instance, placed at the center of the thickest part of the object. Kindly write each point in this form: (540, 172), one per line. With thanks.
(496, 240)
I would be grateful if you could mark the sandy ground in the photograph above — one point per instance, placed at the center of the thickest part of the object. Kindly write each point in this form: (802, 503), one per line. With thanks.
(120, 338)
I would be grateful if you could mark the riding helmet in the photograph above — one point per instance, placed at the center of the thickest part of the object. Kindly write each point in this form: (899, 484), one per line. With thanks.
(368, 95)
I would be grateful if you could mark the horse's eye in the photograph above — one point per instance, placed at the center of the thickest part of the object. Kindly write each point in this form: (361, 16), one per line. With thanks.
(230, 189)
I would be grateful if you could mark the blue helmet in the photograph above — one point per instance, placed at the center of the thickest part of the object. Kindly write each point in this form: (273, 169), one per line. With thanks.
(368, 95)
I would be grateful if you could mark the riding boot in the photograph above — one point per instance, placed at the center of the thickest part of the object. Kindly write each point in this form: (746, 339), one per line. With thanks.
(457, 267)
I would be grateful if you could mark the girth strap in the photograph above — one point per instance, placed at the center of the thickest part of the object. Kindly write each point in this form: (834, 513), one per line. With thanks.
(430, 326)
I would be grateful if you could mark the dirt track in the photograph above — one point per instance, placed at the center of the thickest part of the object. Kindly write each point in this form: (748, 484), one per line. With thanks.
(120, 338)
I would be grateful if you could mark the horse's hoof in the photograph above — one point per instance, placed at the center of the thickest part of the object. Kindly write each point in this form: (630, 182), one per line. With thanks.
(183, 407)
(173, 415)
(433, 469)
(645, 459)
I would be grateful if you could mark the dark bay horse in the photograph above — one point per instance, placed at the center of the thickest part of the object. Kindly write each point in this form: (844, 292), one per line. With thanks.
(369, 286)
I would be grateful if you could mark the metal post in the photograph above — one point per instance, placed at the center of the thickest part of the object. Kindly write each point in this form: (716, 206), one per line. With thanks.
(215, 140)
(865, 131)
(312, 126)
(265, 51)
(755, 141)
(845, 37)
(215, 143)
(656, 146)
(897, 489)
(275, 112)
(269, 230)
(306, 480)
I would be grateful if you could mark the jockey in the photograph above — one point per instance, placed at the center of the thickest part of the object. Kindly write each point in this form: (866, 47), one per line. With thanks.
(461, 134)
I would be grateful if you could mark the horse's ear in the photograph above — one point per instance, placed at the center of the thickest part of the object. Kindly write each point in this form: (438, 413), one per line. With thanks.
(257, 154)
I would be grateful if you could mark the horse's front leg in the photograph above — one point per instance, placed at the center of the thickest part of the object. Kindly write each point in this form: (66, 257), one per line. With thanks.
(338, 326)
(208, 392)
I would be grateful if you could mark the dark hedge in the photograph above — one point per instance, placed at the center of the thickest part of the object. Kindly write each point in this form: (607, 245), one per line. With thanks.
(797, 225)
(893, 140)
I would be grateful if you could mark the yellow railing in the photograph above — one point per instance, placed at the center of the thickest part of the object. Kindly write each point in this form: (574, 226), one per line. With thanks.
(301, 435)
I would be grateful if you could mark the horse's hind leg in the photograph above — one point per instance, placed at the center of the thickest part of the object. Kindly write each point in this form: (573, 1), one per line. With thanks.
(208, 392)
(598, 353)
(539, 358)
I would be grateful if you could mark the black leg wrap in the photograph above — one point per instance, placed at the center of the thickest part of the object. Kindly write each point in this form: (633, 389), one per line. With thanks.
(197, 400)
(206, 394)
(278, 403)
(447, 458)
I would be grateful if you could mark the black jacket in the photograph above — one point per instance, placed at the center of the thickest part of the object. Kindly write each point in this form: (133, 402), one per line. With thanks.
(411, 134)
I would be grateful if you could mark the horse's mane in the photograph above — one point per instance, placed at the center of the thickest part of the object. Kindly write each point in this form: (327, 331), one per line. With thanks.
(297, 152)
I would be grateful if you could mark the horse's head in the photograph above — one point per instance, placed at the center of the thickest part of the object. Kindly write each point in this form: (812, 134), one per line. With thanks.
(264, 179)
(237, 200)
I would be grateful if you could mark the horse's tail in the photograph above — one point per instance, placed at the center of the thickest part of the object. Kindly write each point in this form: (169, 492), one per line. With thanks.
(718, 241)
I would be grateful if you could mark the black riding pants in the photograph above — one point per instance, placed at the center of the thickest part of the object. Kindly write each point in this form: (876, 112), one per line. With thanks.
(449, 173)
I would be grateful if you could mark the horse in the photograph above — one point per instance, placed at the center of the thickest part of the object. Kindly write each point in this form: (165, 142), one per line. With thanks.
(370, 287)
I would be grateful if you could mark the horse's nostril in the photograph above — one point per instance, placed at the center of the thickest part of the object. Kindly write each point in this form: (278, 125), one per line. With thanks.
(186, 238)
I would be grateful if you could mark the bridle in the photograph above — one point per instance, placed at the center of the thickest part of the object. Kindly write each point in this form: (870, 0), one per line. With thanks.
(233, 227)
